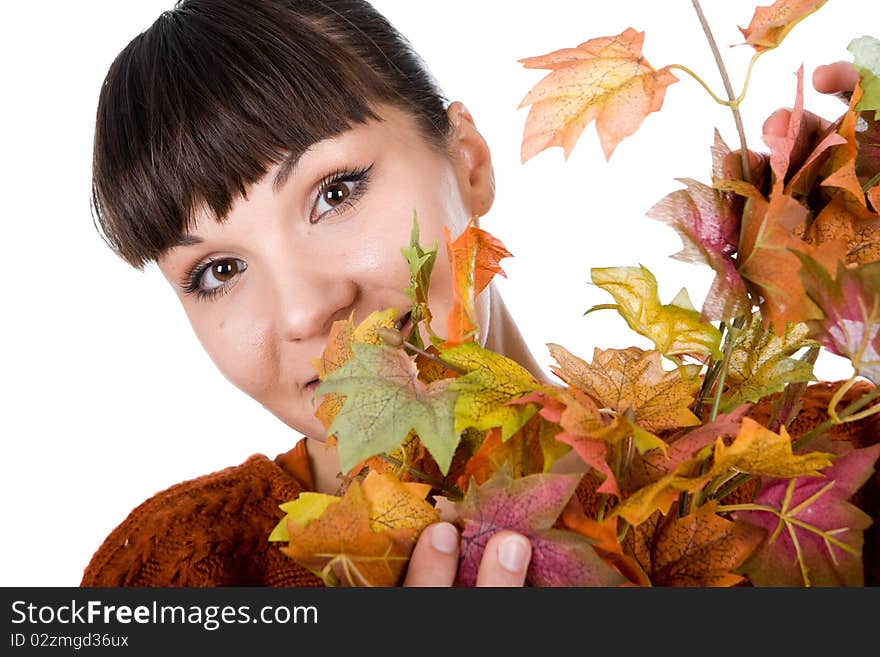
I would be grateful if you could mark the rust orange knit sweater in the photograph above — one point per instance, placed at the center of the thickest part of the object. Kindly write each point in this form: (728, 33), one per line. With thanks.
(213, 530)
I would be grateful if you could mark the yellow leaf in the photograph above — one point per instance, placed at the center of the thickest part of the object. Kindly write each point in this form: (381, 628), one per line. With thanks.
(366, 330)
(302, 510)
(659, 496)
(761, 362)
(395, 504)
(633, 379)
(674, 329)
(492, 381)
(759, 451)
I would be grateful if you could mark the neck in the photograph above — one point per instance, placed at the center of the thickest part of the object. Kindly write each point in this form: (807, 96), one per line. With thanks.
(504, 337)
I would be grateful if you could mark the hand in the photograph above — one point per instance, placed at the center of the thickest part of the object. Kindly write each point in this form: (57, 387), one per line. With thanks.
(838, 79)
(434, 560)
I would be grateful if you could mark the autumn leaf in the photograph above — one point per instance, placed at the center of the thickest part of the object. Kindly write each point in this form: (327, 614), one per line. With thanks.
(758, 451)
(814, 535)
(606, 79)
(851, 307)
(761, 363)
(394, 504)
(384, 401)
(866, 58)
(421, 265)
(840, 168)
(676, 330)
(338, 350)
(708, 222)
(605, 541)
(474, 259)
(684, 445)
(305, 508)
(642, 503)
(767, 259)
(530, 450)
(342, 549)
(770, 24)
(530, 506)
(843, 230)
(701, 549)
(491, 381)
(633, 379)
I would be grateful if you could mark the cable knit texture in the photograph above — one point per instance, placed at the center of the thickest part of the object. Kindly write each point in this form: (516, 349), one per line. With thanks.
(213, 530)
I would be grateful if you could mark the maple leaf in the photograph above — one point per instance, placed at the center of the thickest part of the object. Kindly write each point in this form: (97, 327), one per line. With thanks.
(338, 350)
(815, 535)
(395, 504)
(384, 401)
(530, 450)
(683, 446)
(840, 167)
(605, 541)
(530, 506)
(644, 502)
(606, 79)
(866, 58)
(770, 24)
(767, 259)
(491, 381)
(676, 328)
(851, 307)
(757, 450)
(761, 364)
(633, 379)
(421, 265)
(305, 508)
(842, 228)
(474, 259)
(708, 222)
(701, 549)
(341, 548)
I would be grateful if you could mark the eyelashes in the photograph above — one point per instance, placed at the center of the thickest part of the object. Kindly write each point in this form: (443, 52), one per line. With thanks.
(191, 283)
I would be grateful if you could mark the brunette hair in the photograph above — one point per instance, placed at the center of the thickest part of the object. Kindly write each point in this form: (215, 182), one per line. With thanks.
(202, 103)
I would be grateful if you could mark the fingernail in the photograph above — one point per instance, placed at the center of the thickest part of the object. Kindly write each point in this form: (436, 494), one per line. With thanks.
(444, 538)
(512, 553)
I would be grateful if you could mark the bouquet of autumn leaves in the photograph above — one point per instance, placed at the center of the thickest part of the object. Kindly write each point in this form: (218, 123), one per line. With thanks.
(682, 482)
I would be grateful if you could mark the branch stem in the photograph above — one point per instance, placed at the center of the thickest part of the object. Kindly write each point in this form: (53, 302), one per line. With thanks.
(728, 87)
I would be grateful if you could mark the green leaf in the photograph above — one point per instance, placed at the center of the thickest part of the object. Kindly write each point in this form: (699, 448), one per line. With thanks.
(384, 401)
(676, 330)
(761, 362)
(866, 54)
(421, 264)
(492, 381)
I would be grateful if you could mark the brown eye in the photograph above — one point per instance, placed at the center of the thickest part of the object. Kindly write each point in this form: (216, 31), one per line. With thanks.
(336, 194)
(220, 272)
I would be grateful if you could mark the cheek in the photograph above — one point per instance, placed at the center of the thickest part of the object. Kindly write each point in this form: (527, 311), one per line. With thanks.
(242, 350)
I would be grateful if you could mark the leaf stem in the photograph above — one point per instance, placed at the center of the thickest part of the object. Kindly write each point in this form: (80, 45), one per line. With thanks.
(452, 492)
(873, 181)
(734, 104)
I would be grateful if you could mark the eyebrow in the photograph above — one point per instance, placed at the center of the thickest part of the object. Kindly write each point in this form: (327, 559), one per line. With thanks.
(288, 166)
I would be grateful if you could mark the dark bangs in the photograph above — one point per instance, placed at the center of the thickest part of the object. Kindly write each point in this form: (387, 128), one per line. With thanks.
(199, 106)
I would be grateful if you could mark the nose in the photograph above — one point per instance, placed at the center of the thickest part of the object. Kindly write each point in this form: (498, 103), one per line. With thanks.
(310, 297)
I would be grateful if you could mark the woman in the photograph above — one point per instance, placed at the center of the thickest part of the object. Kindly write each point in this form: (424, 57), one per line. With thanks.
(268, 155)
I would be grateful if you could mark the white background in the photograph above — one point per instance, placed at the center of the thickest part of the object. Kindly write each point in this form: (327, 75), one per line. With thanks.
(108, 397)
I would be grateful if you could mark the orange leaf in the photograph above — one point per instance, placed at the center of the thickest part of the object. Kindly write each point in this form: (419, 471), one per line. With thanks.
(605, 79)
(473, 259)
(342, 548)
(605, 542)
(842, 161)
(772, 23)
(701, 549)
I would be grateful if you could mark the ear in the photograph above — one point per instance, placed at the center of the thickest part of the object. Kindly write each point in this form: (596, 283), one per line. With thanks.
(473, 161)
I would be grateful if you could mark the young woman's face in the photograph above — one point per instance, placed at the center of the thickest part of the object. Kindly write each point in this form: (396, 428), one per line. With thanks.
(263, 289)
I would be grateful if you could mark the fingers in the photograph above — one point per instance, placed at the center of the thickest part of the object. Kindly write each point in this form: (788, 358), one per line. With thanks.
(505, 560)
(434, 561)
(839, 79)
